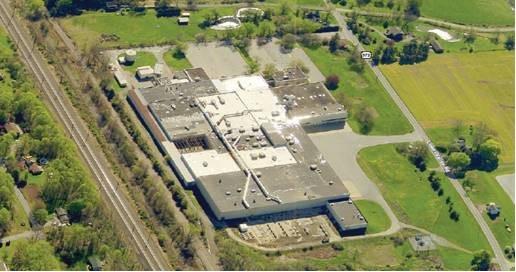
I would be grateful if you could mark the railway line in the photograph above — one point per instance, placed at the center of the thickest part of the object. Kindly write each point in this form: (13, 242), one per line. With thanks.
(147, 249)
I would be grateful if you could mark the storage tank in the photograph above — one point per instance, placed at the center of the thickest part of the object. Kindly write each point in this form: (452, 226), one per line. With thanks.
(130, 56)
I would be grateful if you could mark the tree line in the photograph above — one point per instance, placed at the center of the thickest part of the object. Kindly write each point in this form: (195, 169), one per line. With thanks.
(67, 184)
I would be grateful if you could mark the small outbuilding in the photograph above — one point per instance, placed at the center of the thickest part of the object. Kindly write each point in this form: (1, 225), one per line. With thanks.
(120, 79)
(183, 20)
(394, 33)
(94, 264)
(35, 169)
(62, 215)
(145, 73)
(436, 46)
(493, 210)
(14, 128)
(347, 218)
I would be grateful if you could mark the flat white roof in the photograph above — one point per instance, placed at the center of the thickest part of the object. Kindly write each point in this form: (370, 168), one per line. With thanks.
(240, 83)
(209, 162)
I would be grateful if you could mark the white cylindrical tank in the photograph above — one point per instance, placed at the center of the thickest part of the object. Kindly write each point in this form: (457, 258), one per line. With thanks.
(130, 55)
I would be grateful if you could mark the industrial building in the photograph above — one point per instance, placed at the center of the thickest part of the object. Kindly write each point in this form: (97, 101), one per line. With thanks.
(242, 142)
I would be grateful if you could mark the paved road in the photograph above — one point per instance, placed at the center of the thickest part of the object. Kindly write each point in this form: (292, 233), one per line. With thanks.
(507, 183)
(354, 178)
(418, 130)
(148, 249)
(26, 206)
(23, 235)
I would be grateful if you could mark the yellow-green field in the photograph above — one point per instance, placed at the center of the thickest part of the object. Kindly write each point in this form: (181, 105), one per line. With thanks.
(469, 87)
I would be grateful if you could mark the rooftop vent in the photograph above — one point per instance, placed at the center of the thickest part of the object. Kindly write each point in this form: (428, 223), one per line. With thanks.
(331, 182)
(313, 167)
(261, 155)
(205, 163)
(239, 190)
(228, 193)
(259, 174)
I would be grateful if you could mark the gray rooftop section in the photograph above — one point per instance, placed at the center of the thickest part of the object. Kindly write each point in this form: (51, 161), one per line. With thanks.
(291, 183)
(307, 100)
(291, 74)
(174, 107)
(346, 215)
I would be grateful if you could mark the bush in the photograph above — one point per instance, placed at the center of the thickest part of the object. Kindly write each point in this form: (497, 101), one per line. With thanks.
(332, 82)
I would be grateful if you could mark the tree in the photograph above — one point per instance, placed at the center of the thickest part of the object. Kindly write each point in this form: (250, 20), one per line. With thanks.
(299, 64)
(470, 37)
(34, 255)
(489, 152)
(76, 210)
(74, 243)
(332, 82)
(269, 70)
(481, 261)
(288, 41)
(334, 43)
(366, 116)
(417, 152)
(266, 30)
(480, 134)
(458, 160)
(40, 215)
(356, 63)
(388, 55)
(509, 43)
(34, 9)
(412, 9)
(5, 220)
(162, 3)
(253, 66)
(200, 37)
(180, 50)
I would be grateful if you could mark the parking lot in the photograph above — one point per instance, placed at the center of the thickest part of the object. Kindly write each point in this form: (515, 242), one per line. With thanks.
(216, 59)
(272, 53)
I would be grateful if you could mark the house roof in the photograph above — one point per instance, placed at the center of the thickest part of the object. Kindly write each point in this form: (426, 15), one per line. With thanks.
(393, 31)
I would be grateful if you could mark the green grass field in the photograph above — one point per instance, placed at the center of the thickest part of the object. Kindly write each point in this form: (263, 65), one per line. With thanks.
(313, 3)
(135, 30)
(412, 199)
(176, 63)
(469, 87)
(478, 12)
(362, 89)
(473, 12)
(142, 59)
(377, 219)
(485, 190)
(377, 253)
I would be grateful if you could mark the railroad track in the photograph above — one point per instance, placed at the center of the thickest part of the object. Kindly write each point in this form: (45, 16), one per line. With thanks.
(151, 254)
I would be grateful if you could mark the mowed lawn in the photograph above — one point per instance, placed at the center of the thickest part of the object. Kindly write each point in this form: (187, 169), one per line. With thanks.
(135, 30)
(377, 219)
(362, 89)
(485, 190)
(479, 12)
(409, 194)
(473, 88)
